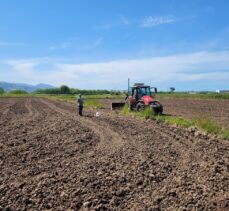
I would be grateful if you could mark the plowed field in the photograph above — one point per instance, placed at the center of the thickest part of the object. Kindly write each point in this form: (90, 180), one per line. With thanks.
(52, 159)
(216, 110)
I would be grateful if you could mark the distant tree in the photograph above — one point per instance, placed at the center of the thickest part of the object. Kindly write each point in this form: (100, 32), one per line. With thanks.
(18, 92)
(1, 91)
(48, 91)
(74, 91)
(172, 89)
(65, 89)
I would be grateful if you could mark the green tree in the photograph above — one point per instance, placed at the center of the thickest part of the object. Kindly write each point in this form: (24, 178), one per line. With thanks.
(172, 89)
(65, 89)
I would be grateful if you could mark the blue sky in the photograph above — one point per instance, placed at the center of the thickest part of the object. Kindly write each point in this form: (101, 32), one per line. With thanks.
(99, 44)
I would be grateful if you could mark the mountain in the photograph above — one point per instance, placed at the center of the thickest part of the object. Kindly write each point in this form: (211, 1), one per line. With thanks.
(43, 86)
(27, 87)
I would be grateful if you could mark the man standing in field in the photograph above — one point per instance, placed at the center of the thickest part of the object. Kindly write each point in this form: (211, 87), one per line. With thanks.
(80, 104)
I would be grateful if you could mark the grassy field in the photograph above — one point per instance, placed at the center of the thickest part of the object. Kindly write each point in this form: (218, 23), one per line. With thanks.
(90, 102)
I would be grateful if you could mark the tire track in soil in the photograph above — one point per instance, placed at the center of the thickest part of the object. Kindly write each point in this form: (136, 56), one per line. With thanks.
(5, 109)
(109, 140)
(16, 110)
(161, 130)
(20, 109)
(32, 113)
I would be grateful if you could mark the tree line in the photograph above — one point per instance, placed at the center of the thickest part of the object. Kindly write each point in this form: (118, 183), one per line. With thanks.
(15, 91)
(66, 90)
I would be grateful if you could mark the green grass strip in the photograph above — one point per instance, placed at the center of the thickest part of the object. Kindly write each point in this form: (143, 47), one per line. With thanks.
(203, 124)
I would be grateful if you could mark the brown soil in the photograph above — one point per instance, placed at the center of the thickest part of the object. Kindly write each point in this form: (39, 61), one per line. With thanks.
(52, 159)
(216, 110)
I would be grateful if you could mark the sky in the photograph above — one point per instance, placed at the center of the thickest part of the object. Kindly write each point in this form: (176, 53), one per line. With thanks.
(99, 44)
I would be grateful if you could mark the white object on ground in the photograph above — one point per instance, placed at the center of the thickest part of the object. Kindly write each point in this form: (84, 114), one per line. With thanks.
(97, 114)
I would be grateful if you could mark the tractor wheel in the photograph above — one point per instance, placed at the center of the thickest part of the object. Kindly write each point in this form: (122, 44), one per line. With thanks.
(158, 110)
(161, 109)
(140, 107)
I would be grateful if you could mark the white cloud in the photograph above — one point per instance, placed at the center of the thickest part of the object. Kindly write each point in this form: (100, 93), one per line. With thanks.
(155, 21)
(194, 67)
(23, 67)
(183, 67)
(210, 76)
(27, 71)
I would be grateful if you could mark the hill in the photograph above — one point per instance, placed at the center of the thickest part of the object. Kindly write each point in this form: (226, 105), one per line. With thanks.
(22, 86)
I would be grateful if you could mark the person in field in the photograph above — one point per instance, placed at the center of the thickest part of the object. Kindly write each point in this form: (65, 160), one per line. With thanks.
(80, 103)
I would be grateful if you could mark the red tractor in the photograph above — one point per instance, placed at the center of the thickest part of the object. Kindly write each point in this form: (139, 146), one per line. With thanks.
(141, 96)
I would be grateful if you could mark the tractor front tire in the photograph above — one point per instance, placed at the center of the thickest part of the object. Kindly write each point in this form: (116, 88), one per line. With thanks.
(140, 107)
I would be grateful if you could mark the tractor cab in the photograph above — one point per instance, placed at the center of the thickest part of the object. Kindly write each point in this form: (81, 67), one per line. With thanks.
(140, 90)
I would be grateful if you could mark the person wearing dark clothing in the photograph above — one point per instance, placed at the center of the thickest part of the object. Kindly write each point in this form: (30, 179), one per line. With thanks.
(80, 102)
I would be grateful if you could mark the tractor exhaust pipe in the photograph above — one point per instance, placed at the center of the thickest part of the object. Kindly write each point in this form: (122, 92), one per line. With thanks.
(128, 90)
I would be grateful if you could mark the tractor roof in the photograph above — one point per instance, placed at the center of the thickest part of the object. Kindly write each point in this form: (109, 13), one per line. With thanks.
(140, 85)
